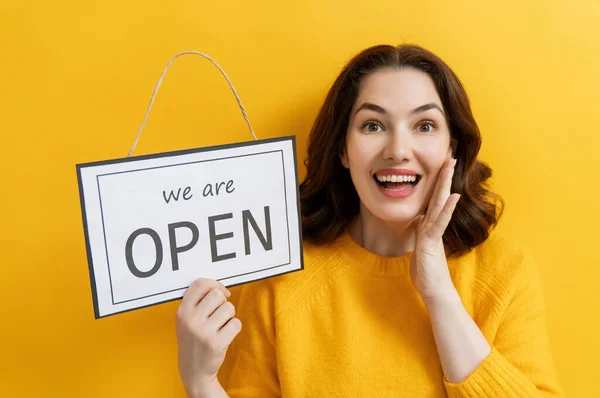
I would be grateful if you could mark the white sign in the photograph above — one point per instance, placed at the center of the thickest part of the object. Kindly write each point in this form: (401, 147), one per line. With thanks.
(155, 223)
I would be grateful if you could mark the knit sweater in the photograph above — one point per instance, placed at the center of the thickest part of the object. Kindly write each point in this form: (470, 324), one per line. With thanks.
(351, 324)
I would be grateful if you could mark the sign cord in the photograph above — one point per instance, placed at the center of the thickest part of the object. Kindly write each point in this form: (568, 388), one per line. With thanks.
(239, 101)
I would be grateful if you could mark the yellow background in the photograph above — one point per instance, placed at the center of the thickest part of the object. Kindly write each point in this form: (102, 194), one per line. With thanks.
(76, 79)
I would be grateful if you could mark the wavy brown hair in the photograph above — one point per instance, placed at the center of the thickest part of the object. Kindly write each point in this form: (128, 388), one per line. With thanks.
(329, 202)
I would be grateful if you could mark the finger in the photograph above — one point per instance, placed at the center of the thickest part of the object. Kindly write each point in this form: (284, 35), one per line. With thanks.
(210, 303)
(442, 188)
(436, 231)
(441, 191)
(230, 330)
(197, 290)
(221, 316)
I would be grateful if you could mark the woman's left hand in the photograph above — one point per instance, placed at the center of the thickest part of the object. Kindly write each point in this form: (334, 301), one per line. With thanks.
(428, 266)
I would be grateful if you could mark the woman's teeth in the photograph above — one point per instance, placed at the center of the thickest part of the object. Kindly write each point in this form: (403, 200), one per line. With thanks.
(396, 178)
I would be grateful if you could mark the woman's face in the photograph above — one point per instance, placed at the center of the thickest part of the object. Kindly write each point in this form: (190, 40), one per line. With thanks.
(396, 144)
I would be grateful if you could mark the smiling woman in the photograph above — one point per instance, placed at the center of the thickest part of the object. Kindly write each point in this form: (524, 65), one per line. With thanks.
(409, 139)
(406, 291)
(425, 105)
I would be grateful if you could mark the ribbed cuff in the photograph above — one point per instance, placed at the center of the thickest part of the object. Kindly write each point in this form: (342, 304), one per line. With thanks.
(495, 377)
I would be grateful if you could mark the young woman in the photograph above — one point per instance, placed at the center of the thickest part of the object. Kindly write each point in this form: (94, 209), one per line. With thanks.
(405, 292)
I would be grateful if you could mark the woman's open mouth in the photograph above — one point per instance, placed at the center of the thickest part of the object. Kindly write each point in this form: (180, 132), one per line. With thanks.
(396, 185)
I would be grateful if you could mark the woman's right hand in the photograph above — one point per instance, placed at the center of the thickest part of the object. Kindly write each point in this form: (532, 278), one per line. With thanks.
(205, 328)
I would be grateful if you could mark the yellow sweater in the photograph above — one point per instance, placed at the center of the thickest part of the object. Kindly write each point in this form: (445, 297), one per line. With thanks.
(351, 324)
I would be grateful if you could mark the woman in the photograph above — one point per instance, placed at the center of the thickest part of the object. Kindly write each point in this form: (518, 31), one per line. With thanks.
(404, 292)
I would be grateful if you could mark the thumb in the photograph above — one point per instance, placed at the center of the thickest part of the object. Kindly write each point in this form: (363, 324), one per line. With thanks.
(419, 224)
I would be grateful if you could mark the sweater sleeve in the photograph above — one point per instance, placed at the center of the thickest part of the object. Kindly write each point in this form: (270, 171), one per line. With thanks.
(520, 363)
(250, 366)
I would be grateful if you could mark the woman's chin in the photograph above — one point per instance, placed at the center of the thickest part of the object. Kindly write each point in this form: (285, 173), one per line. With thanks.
(394, 213)
(396, 216)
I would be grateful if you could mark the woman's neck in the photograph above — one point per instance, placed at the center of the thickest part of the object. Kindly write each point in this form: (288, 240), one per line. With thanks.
(380, 237)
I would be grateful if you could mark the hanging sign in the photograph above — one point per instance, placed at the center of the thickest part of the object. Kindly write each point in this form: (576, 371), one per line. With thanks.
(155, 223)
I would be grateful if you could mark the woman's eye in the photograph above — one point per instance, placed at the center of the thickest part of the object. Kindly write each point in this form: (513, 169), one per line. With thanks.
(426, 127)
(372, 127)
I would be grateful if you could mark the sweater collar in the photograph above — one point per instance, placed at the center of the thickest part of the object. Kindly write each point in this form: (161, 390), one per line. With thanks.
(363, 260)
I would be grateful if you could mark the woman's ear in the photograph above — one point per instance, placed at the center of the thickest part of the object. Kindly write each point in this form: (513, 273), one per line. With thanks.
(452, 147)
(344, 159)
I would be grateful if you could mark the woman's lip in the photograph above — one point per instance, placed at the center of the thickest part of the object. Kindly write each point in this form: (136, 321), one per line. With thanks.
(397, 194)
(397, 172)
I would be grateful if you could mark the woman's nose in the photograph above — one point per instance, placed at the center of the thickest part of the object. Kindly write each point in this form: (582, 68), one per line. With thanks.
(398, 146)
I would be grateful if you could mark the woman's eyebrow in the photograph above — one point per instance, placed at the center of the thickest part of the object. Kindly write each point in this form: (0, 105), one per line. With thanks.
(427, 107)
(376, 108)
(372, 107)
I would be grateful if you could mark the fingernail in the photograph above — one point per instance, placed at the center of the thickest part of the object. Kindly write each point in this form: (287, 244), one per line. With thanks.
(228, 292)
